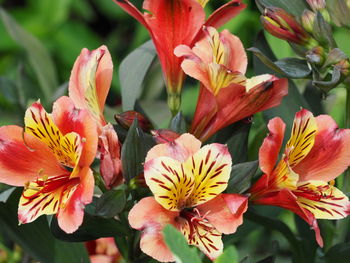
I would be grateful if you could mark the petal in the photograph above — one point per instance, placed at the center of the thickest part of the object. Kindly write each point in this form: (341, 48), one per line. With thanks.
(169, 181)
(302, 138)
(225, 13)
(269, 150)
(181, 149)
(202, 234)
(210, 167)
(324, 201)
(150, 217)
(90, 80)
(71, 215)
(44, 197)
(329, 156)
(70, 119)
(225, 212)
(20, 163)
(173, 23)
(39, 123)
(132, 10)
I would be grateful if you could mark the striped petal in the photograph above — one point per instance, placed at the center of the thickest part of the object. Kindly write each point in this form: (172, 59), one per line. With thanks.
(44, 196)
(39, 123)
(323, 200)
(202, 234)
(210, 167)
(302, 138)
(169, 182)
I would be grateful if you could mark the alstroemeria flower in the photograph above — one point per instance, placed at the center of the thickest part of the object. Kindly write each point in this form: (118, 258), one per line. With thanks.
(172, 23)
(316, 153)
(187, 182)
(51, 159)
(219, 62)
(103, 250)
(89, 84)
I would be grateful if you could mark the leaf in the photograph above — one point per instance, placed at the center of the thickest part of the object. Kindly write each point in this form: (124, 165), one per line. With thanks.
(111, 203)
(134, 151)
(295, 7)
(178, 245)
(290, 103)
(241, 177)
(6, 194)
(38, 56)
(178, 123)
(35, 238)
(132, 72)
(230, 254)
(327, 85)
(322, 32)
(340, 253)
(289, 67)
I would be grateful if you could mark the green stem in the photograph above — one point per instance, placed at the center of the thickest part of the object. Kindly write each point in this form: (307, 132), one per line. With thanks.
(342, 226)
(99, 182)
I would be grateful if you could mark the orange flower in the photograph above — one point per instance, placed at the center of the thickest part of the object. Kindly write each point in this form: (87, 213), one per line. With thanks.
(187, 182)
(103, 250)
(302, 181)
(37, 157)
(172, 23)
(219, 62)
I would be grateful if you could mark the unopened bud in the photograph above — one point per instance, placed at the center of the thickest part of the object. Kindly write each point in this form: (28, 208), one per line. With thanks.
(316, 55)
(344, 66)
(317, 5)
(164, 135)
(284, 25)
(126, 119)
(307, 20)
(339, 11)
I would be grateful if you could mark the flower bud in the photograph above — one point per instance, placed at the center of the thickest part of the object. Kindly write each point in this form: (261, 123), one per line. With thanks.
(126, 119)
(164, 135)
(307, 20)
(339, 11)
(316, 56)
(284, 25)
(317, 5)
(344, 66)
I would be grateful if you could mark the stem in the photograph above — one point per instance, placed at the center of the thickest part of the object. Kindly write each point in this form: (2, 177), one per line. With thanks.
(342, 226)
(99, 182)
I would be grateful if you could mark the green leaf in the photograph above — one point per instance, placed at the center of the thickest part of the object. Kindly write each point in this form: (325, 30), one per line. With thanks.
(134, 151)
(132, 72)
(241, 177)
(6, 194)
(289, 67)
(178, 123)
(295, 7)
(35, 238)
(178, 245)
(111, 203)
(290, 103)
(340, 253)
(322, 31)
(38, 56)
(230, 254)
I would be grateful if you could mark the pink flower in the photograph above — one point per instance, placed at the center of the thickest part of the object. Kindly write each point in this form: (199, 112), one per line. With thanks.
(187, 182)
(303, 180)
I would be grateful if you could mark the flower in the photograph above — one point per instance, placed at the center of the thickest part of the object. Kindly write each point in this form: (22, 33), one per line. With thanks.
(88, 88)
(316, 153)
(103, 250)
(172, 23)
(284, 26)
(219, 62)
(51, 159)
(187, 182)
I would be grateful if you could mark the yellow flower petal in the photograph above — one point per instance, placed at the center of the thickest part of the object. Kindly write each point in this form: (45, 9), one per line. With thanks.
(39, 123)
(302, 138)
(170, 184)
(323, 200)
(210, 167)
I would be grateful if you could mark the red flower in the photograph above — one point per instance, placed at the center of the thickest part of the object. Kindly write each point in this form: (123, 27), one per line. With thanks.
(172, 23)
(219, 62)
(36, 159)
(302, 181)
